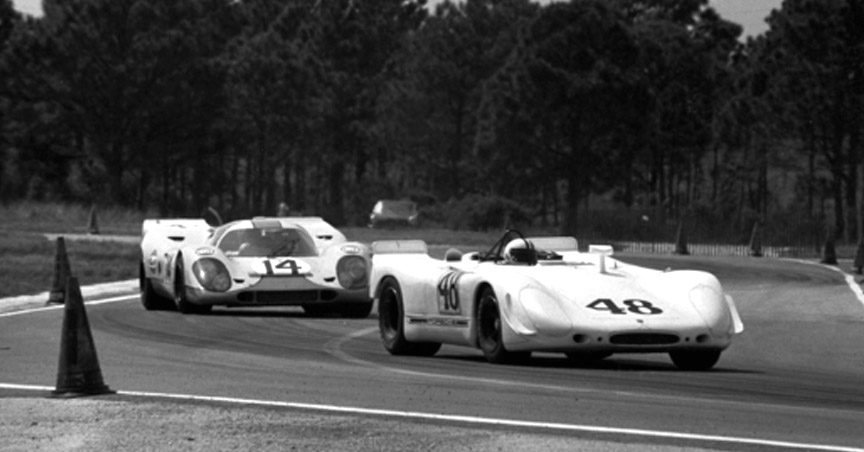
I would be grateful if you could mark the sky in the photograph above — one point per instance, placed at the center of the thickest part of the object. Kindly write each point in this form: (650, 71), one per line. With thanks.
(749, 13)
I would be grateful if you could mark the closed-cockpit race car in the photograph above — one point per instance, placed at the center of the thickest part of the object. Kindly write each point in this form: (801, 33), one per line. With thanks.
(286, 261)
(543, 294)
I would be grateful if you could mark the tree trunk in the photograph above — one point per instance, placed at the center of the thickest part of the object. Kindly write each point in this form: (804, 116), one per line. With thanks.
(570, 225)
(335, 205)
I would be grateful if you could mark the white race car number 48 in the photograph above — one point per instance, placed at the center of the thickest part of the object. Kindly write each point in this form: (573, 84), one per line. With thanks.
(634, 306)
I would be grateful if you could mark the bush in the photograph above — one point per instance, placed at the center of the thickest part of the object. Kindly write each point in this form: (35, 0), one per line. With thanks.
(480, 213)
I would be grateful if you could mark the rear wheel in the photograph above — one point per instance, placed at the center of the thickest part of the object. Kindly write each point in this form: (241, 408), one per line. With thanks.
(151, 300)
(180, 299)
(695, 359)
(490, 331)
(391, 324)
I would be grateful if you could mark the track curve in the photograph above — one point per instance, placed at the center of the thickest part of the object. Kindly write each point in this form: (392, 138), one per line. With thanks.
(794, 376)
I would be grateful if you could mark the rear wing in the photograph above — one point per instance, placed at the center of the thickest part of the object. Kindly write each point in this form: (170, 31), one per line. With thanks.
(562, 243)
(176, 229)
(321, 231)
(399, 247)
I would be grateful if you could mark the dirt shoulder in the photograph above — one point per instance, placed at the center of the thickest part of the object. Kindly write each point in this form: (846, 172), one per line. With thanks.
(116, 422)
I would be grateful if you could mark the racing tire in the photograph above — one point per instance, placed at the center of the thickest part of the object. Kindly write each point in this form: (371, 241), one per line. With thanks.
(151, 300)
(695, 359)
(356, 310)
(391, 323)
(586, 357)
(183, 304)
(489, 332)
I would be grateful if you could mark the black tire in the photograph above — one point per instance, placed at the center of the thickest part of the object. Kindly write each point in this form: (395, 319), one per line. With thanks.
(587, 357)
(183, 304)
(356, 310)
(695, 359)
(489, 332)
(151, 300)
(391, 324)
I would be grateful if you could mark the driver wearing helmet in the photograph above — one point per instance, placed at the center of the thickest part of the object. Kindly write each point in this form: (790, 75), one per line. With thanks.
(520, 251)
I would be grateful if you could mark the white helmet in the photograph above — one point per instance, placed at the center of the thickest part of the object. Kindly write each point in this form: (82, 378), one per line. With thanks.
(520, 251)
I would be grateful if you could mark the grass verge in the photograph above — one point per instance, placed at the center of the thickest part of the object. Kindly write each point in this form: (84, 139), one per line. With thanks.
(28, 262)
(27, 266)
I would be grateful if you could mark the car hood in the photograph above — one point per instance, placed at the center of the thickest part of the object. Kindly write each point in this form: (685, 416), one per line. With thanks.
(619, 298)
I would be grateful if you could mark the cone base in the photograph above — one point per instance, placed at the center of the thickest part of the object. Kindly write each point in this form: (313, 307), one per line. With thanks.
(56, 297)
(71, 393)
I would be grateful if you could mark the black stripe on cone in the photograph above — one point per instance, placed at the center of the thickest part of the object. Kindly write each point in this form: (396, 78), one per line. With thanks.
(62, 272)
(78, 372)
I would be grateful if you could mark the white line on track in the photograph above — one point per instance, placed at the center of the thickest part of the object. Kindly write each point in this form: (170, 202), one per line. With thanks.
(850, 279)
(61, 306)
(334, 348)
(474, 420)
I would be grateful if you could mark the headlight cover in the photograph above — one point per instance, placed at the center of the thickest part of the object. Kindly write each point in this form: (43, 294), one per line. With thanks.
(212, 274)
(711, 306)
(544, 312)
(352, 272)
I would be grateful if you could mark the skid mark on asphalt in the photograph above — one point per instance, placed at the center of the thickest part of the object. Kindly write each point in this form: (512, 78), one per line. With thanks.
(473, 420)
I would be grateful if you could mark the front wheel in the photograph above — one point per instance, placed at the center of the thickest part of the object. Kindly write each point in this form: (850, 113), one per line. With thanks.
(391, 324)
(183, 303)
(695, 359)
(490, 331)
(151, 300)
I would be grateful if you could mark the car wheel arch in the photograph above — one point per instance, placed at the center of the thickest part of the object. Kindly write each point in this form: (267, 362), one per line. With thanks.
(380, 284)
(175, 263)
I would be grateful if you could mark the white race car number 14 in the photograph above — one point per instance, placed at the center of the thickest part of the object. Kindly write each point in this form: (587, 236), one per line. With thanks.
(282, 267)
(634, 306)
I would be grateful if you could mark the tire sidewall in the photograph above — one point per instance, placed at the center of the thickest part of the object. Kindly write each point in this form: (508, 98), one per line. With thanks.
(489, 337)
(391, 316)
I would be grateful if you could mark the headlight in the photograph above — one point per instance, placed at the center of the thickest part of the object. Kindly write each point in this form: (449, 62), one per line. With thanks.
(212, 275)
(352, 272)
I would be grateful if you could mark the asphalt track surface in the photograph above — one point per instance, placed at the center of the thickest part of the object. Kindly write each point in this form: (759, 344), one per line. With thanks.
(793, 381)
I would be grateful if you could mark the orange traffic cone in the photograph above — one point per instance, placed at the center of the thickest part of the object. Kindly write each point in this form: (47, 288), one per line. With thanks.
(78, 372)
(61, 273)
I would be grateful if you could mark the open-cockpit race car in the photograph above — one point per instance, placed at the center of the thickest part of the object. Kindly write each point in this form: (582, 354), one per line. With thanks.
(542, 294)
(286, 261)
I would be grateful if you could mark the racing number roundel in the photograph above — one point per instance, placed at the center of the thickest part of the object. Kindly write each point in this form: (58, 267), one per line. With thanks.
(634, 306)
(448, 293)
(281, 267)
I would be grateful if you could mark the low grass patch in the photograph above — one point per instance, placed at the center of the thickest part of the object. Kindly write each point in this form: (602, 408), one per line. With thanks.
(27, 264)
(28, 260)
(69, 218)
